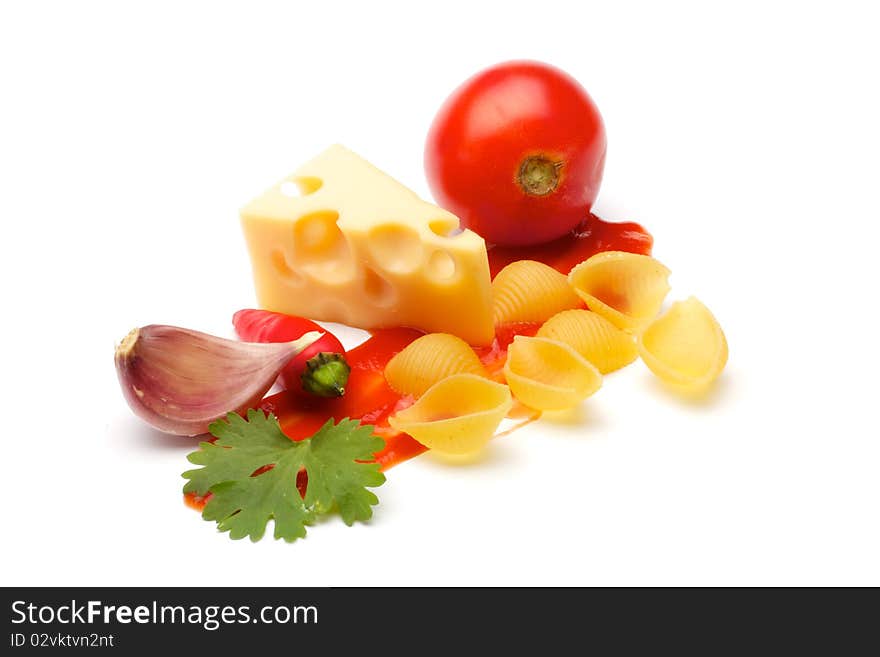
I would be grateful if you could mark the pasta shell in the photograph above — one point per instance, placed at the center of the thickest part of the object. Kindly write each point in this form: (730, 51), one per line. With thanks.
(430, 359)
(593, 337)
(457, 415)
(627, 289)
(549, 375)
(685, 346)
(530, 291)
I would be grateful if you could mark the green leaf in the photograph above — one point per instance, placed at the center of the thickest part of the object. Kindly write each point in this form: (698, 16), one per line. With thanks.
(258, 442)
(331, 452)
(243, 504)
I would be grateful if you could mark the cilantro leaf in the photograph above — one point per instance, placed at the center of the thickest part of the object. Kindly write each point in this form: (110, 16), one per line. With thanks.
(329, 459)
(334, 458)
(257, 441)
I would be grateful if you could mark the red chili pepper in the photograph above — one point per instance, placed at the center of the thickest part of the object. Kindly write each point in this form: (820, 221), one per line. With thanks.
(319, 369)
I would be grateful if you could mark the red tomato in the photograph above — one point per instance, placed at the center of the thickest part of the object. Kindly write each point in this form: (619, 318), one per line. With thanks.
(517, 152)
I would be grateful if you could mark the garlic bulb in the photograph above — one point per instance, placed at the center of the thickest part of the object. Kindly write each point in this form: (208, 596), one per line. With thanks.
(179, 380)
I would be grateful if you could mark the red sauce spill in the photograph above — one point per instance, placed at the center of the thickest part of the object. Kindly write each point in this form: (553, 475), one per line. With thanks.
(494, 356)
(591, 237)
(196, 502)
(368, 396)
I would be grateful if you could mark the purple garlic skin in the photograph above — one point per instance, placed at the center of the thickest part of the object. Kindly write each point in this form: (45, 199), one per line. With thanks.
(179, 381)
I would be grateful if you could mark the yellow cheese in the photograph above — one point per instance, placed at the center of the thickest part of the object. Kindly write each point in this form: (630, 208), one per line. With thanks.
(341, 241)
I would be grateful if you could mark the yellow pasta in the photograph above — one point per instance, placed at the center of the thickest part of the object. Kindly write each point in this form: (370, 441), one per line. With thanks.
(530, 291)
(430, 359)
(549, 375)
(627, 289)
(593, 337)
(685, 346)
(457, 415)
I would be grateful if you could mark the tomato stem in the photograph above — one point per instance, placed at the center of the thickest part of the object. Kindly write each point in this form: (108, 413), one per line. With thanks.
(538, 176)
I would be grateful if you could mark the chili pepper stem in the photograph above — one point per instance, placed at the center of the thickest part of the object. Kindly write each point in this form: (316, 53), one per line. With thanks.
(326, 375)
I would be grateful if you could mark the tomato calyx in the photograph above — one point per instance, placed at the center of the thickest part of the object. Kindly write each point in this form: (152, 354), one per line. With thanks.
(538, 176)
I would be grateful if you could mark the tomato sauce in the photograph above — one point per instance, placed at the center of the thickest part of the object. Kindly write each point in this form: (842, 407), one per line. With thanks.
(369, 398)
(494, 356)
(591, 237)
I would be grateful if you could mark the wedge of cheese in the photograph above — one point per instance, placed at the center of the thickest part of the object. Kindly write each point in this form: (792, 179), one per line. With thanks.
(341, 241)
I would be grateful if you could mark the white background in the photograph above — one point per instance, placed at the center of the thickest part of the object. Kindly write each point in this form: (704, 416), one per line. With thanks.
(745, 139)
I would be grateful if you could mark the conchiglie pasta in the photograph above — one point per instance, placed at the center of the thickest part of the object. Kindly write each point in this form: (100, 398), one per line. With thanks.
(430, 359)
(549, 375)
(457, 415)
(685, 346)
(593, 337)
(530, 291)
(627, 289)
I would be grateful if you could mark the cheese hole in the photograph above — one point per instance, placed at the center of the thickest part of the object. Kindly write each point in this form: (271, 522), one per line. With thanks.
(445, 227)
(321, 249)
(441, 266)
(379, 291)
(302, 186)
(395, 248)
(279, 261)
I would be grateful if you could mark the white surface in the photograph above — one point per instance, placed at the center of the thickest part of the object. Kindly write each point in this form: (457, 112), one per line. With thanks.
(746, 140)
